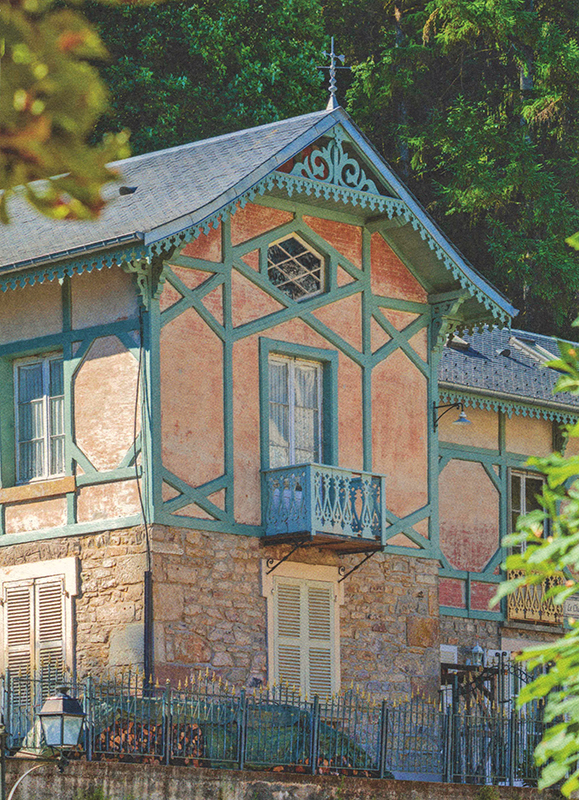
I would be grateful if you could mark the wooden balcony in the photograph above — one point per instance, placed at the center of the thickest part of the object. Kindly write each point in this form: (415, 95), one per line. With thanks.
(530, 604)
(322, 505)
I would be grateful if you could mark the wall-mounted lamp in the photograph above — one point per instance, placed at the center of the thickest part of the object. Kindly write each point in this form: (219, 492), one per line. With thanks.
(462, 418)
(478, 656)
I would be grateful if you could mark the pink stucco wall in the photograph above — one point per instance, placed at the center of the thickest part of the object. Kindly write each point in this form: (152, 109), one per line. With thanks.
(191, 356)
(104, 392)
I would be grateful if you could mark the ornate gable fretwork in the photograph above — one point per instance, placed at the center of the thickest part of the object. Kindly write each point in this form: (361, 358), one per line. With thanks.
(332, 164)
(50, 272)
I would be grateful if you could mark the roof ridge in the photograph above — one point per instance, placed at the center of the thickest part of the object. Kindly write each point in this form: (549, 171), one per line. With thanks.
(219, 138)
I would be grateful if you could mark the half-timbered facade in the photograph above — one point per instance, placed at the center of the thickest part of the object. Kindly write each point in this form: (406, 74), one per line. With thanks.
(219, 420)
(502, 379)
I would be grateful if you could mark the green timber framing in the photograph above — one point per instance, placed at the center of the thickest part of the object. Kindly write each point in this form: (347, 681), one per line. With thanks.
(150, 261)
(497, 464)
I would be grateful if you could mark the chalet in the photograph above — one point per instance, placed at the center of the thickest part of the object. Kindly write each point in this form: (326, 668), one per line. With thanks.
(222, 428)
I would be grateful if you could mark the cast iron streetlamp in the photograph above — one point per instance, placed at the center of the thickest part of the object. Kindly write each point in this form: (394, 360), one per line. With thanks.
(61, 718)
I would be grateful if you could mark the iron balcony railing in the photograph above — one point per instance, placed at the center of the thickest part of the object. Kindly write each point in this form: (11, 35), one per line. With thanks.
(322, 500)
(531, 603)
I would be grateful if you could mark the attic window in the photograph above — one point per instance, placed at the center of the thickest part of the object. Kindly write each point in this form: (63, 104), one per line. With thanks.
(531, 349)
(295, 268)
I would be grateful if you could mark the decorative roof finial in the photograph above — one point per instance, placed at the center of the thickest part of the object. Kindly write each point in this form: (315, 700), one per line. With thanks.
(332, 102)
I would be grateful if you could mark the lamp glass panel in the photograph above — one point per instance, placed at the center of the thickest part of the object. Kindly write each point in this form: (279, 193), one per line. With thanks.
(72, 728)
(52, 727)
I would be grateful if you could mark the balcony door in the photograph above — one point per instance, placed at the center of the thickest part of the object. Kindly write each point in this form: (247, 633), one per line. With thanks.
(295, 411)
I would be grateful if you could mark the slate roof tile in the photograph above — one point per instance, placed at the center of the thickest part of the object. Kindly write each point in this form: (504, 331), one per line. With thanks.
(170, 183)
(483, 366)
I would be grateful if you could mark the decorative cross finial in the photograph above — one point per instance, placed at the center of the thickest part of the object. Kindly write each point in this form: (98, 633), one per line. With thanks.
(333, 86)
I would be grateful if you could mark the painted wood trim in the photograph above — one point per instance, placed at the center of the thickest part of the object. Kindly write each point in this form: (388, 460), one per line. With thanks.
(38, 490)
(329, 360)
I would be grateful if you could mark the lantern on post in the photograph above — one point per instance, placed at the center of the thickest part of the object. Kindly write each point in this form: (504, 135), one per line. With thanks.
(61, 718)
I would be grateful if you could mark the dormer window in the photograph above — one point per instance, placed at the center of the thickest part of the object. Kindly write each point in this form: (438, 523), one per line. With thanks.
(295, 268)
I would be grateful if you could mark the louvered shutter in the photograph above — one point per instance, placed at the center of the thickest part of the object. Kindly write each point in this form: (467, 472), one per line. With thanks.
(304, 635)
(49, 627)
(288, 635)
(18, 626)
(320, 601)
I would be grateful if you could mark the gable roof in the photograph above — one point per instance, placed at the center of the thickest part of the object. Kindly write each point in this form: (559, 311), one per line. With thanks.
(504, 363)
(181, 187)
(173, 186)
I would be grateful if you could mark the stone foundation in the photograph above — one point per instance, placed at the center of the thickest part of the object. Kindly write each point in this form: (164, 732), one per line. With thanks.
(108, 612)
(154, 782)
(209, 612)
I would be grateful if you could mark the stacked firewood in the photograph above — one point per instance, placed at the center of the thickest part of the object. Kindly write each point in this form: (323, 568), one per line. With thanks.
(327, 766)
(130, 740)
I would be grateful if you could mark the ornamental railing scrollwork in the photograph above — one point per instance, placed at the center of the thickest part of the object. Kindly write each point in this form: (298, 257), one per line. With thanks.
(531, 603)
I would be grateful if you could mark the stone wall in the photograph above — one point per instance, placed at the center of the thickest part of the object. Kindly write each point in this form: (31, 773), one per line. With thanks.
(508, 636)
(466, 633)
(209, 612)
(109, 608)
(154, 782)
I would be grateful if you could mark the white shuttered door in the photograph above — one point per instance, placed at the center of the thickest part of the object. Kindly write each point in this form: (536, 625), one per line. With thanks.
(49, 628)
(18, 605)
(304, 631)
(34, 626)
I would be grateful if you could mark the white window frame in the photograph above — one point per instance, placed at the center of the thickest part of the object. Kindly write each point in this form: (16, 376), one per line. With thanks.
(67, 570)
(45, 361)
(523, 475)
(311, 250)
(313, 573)
(292, 361)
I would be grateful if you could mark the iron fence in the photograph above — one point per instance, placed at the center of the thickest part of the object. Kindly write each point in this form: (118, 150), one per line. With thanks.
(208, 723)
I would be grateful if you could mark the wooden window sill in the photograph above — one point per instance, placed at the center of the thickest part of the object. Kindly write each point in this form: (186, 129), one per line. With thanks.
(38, 490)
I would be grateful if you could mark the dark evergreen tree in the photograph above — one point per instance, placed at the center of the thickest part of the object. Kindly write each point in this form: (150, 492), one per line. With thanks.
(182, 71)
(474, 102)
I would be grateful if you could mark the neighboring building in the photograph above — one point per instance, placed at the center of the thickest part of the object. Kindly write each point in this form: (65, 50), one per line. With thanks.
(485, 483)
(243, 352)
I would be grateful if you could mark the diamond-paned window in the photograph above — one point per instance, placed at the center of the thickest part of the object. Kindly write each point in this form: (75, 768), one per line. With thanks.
(295, 268)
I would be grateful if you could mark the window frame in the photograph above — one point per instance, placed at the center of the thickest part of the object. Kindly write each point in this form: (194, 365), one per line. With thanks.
(308, 574)
(314, 251)
(523, 475)
(43, 359)
(65, 569)
(292, 362)
(329, 360)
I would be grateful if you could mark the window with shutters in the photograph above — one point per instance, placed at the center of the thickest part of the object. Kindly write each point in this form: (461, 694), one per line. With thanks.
(303, 627)
(34, 614)
(37, 618)
(295, 411)
(39, 417)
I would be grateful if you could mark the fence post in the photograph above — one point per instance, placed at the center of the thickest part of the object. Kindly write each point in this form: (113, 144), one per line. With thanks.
(314, 734)
(448, 761)
(88, 719)
(241, 729)
(167, 697)
(7, 702)
(511, 747)
(383, 739)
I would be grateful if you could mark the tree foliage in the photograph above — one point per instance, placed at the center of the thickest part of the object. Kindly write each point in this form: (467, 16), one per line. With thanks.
(475, 102)
(546, 547)
(51, 96)
(191, 70)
